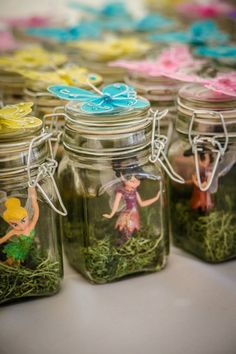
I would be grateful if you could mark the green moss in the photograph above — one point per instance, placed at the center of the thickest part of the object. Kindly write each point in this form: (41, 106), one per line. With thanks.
(102, 261)
(42, 278)
(211, 236)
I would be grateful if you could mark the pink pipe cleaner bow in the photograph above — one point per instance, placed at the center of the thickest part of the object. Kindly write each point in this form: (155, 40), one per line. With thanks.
(224, 83)
(31, 21)
(175, 62)
(211, 10)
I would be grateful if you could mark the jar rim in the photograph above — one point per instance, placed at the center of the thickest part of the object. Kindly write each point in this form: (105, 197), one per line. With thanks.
(208, 109)
(195, 94)
(19, 136)
(14, 153)
(99, 123)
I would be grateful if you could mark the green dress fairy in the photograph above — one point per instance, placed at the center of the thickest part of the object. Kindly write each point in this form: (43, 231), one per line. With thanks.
(19, 247)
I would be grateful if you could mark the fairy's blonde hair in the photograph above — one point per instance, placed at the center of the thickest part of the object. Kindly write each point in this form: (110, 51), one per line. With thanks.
(14, 210)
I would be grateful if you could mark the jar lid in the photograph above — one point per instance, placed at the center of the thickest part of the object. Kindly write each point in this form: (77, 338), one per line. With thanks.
(196, 96)
(118, 130)
(154, 88)
(119, 120)
(16, 123)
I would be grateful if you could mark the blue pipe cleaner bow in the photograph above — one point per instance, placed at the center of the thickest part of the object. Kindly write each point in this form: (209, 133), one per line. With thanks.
(200, 32)
(85, 30)
(152, 22)
(112, 97)
(111, 9)
(217, 52)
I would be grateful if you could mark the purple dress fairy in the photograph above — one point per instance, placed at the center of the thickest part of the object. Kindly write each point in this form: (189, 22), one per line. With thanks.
(128, 220)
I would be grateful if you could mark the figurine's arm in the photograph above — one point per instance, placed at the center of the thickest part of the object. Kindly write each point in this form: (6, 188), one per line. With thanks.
(203, 184)
(194, 179)
(189, 181)
(33, 195)
(144, 203)
(115, 206)
(7, 236)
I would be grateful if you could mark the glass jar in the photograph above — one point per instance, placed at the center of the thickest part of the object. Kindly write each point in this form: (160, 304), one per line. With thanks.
(117, 221)
(11, 87)
(30, 246)
(203, 209)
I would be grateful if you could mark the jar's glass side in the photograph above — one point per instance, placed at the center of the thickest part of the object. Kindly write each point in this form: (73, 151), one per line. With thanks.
(105, 245)
(11, 87)
(31, 259)
(203, 222)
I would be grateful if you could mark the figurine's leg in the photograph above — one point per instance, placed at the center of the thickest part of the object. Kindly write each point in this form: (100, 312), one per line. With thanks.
(123, 237)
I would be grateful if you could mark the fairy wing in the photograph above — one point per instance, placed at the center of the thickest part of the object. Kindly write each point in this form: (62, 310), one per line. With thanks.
(223, 168)
(110, 185)
(71, 93)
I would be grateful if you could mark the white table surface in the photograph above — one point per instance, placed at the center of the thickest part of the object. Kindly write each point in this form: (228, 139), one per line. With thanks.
(187, 308)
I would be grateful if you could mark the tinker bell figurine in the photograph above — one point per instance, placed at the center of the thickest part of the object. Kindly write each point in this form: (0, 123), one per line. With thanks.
(128, 220)
(23, 228)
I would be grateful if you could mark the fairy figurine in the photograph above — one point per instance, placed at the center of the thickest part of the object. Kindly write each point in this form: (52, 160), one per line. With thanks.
(128, 220)
(21, 235)
(201, 200)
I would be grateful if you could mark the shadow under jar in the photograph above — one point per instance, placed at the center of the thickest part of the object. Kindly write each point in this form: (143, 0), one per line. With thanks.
(30, 246)
(203, 210)
(117, 222)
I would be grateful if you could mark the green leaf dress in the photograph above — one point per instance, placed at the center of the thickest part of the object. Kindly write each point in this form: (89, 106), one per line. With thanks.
(19, 247)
